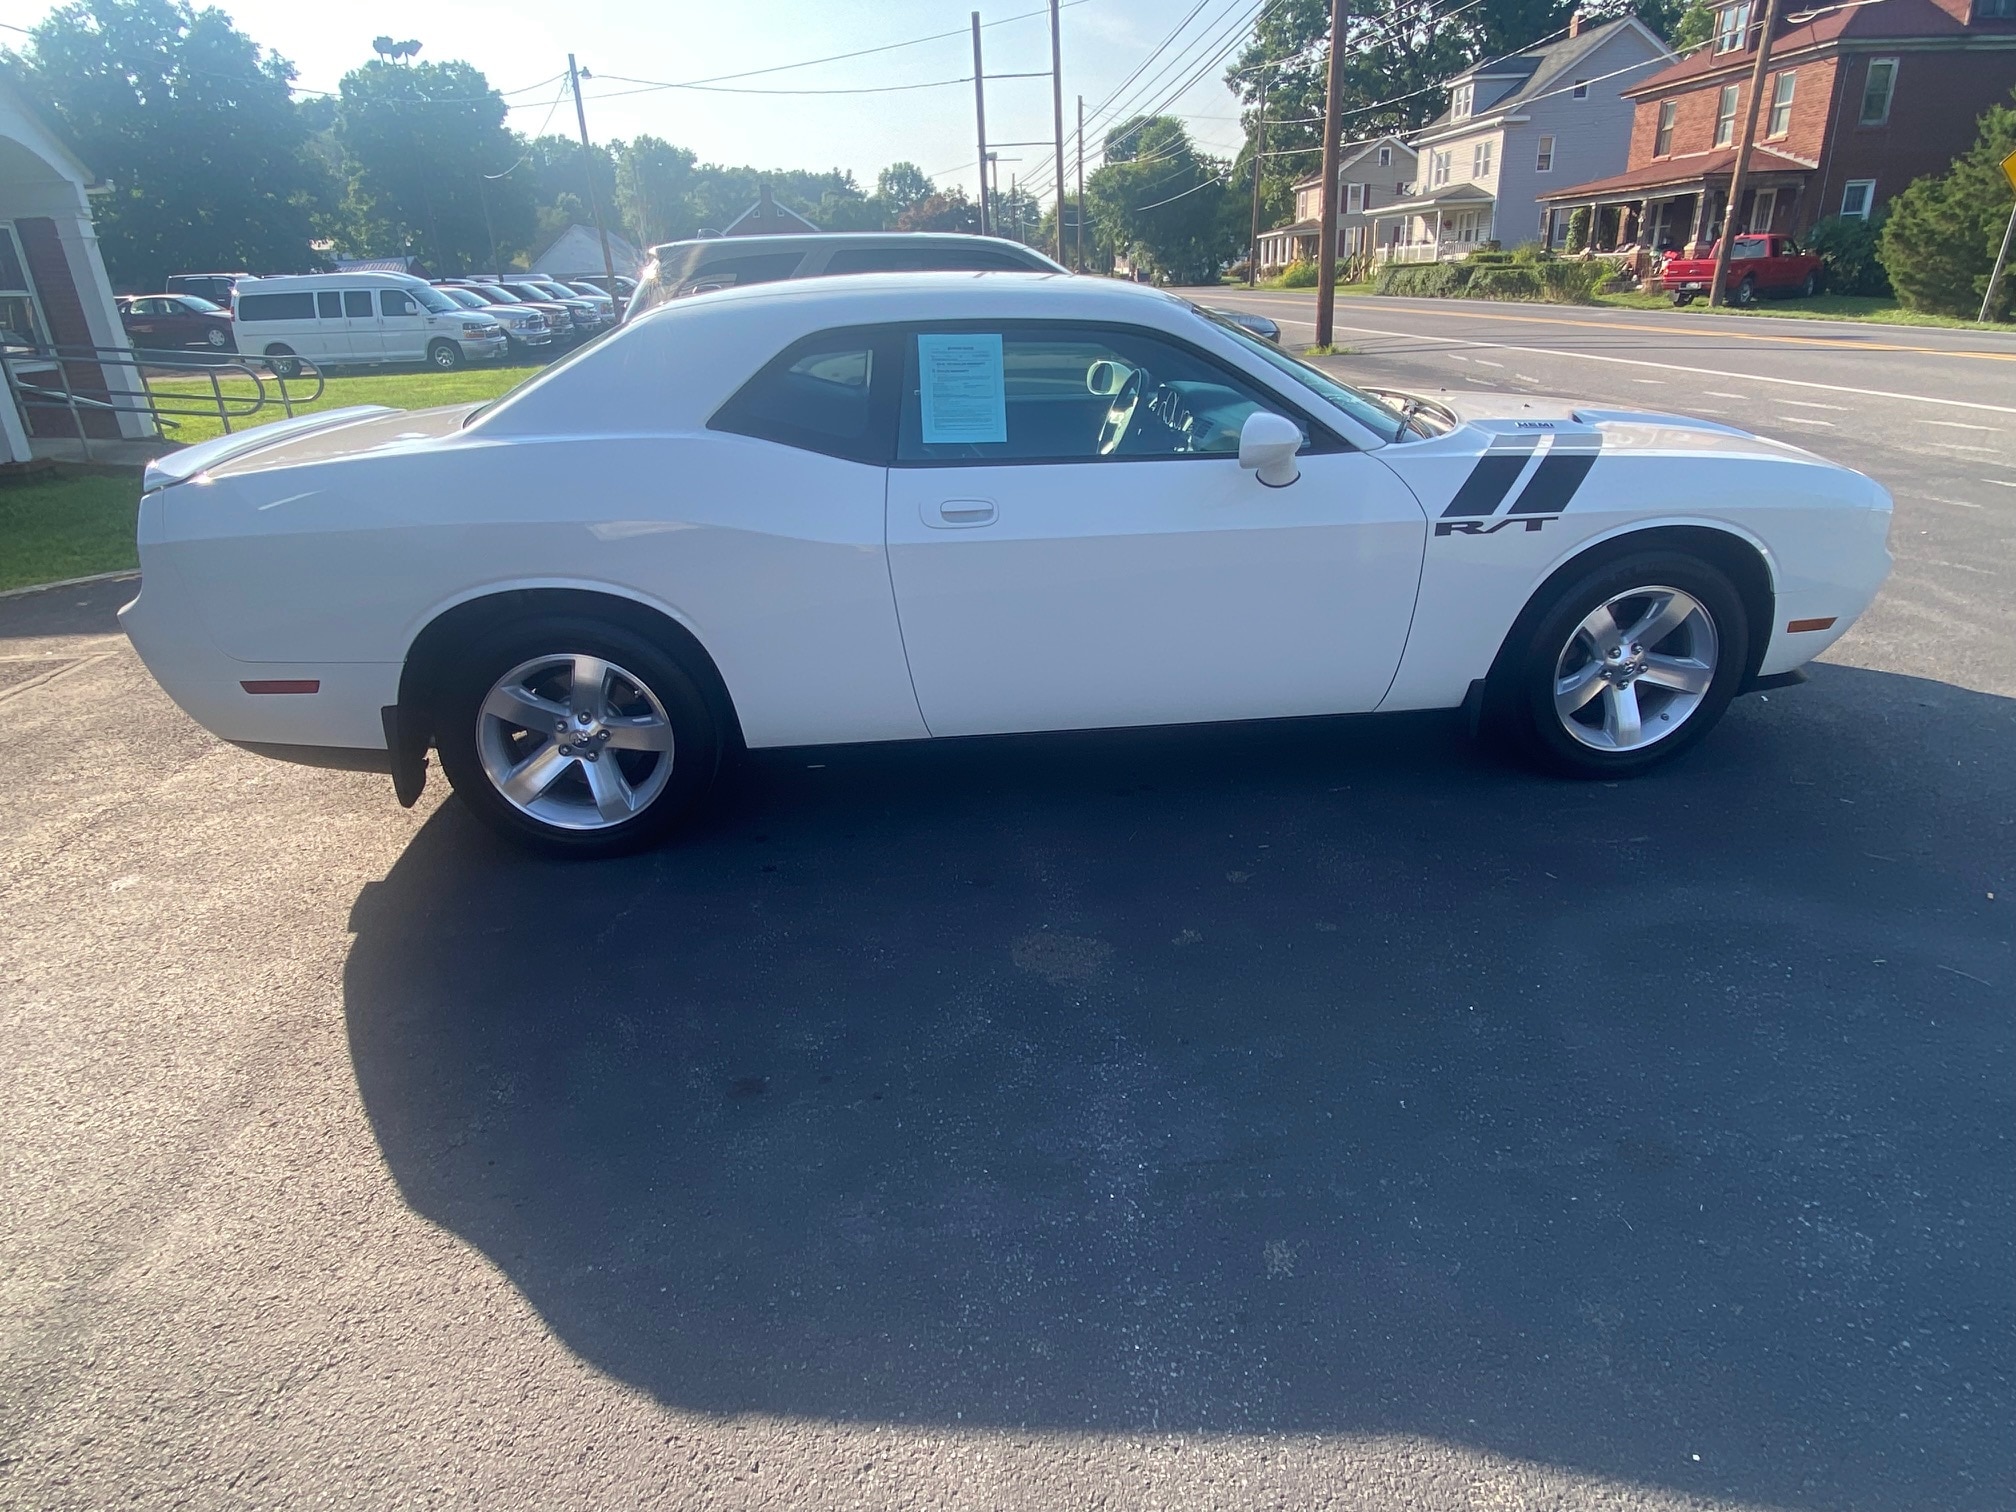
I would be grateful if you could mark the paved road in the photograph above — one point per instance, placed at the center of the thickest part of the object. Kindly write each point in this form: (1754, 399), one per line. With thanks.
(1311, 1116)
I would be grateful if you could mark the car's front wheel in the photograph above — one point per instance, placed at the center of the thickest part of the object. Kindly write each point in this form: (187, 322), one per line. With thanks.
(576, 736)
(1628, 666)
(1746, 292)
(445, 355)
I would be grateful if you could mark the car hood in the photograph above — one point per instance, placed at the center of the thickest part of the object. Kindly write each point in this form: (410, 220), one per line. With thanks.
(1620, 426)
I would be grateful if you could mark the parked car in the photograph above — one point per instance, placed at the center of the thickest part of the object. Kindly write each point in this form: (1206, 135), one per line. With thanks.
(1259, 325)
(618, 288)
(525, 327)
(337, 319)
(215, 287)
(585, 313)
(677, 269)
(604, 305)
(560, 318)
(1760, 267)
(163, 322)
(935, 505)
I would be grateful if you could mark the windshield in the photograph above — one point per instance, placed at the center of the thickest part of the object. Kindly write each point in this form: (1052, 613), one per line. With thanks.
(464, 298)
(201, 305)
(494, 295)
(1360, 406)
(432, 299)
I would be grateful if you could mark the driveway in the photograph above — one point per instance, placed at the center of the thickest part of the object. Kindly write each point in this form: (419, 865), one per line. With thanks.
(1316, 1115)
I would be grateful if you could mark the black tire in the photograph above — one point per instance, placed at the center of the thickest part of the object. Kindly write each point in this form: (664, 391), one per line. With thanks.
(216, 337)
(1519, 705)
(285, 363)
(1811, 287)
(444, 356)
(696, 731)
(1746, 292)
(1681, 301)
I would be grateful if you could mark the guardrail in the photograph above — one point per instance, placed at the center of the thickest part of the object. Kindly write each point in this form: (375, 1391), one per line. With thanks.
(84, 382)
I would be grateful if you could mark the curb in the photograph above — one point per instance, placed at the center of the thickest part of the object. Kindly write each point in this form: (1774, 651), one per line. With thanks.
(76, 582)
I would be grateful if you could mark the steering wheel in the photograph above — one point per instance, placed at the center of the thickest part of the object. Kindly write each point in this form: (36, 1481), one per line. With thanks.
(1120, 415)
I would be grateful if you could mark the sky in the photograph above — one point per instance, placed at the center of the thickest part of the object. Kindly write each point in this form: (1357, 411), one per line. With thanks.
(518, 43)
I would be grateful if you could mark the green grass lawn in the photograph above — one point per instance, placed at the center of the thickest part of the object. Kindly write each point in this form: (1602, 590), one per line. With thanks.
(66, 525)
(421, 390)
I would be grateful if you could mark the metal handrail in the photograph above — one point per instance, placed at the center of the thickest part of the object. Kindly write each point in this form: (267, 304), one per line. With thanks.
(39, 376)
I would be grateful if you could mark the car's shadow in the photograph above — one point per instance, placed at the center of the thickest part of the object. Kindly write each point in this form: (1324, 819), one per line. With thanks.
(1311, 1078)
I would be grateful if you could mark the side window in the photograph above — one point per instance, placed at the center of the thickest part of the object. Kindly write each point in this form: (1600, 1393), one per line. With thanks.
(830, 393)
(257, 307)
(731, 272)
(1066, 394)
(357, 303)
(329, 305)
(396, 302)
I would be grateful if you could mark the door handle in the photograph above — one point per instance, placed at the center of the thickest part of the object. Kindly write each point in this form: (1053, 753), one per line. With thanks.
(958, 514)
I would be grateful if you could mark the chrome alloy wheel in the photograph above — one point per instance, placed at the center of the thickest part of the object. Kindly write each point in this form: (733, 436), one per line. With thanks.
(1635, 669)
(574, 741)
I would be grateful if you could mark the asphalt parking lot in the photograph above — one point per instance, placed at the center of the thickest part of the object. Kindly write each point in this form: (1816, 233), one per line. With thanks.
(1311, 1115)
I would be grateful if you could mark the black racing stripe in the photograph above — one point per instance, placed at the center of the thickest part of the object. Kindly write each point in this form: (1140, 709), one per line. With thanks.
(1493, 476)
(1558, 476)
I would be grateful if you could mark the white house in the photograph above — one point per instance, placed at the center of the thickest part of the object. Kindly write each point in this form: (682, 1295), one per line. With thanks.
(1554, 114)
(53, 288)
(1370, 174)
(578, 250)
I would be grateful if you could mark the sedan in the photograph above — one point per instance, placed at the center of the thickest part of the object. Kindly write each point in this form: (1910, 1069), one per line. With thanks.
(165, 322)
(916, 506)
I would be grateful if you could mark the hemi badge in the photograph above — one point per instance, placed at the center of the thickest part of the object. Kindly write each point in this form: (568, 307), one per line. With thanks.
(311, 684)
(1793, 627)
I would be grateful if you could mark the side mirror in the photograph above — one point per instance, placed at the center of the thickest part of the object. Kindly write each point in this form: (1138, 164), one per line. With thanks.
(1267, 444)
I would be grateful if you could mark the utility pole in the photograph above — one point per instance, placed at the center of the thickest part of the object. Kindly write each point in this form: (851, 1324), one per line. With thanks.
(1080, 260)
(980, 119)
(1259, 152)
(588, 166)
(1057, 119)
(1739, 177)
(1326, 233)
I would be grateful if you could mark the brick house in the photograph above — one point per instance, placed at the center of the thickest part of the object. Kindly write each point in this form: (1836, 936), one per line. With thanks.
(1859, 101)
(1515, 126)
(1370, 174)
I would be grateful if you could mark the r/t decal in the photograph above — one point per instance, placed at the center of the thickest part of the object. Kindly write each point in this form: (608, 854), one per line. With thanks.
(1491, 527)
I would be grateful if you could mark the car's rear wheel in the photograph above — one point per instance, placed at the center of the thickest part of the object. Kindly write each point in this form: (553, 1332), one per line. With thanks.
(1746, 292)
(445, 355)
(1681, 301)
(575, 736)
(284, 362)
(1628, 666)
(216, 337)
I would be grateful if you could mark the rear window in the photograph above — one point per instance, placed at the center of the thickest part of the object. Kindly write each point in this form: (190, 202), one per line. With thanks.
(256, 307)
(820, 395)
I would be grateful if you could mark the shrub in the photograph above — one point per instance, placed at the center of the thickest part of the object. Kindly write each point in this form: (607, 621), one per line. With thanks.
(1578, 228)
(1847, 247)
(1506, 282)
(1422, 280)
(1531, 252)
(1488, 257)
(1939, 244)
(1574, 282)
(1300, 274)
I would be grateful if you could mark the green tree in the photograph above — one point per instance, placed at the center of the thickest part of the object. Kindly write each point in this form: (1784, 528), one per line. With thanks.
(941, 210)
(433, 169)
(1157, 199)
(1939, 244)
(901, 185)
(193, 127)
(654, 191)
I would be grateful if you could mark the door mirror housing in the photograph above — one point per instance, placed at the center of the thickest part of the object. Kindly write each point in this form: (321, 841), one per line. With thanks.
(1267, 444)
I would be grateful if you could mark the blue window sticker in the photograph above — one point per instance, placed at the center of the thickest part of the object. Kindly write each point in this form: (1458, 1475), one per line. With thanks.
(962, 390)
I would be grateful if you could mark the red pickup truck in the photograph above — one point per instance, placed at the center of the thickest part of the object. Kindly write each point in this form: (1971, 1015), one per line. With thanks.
(1758, 265)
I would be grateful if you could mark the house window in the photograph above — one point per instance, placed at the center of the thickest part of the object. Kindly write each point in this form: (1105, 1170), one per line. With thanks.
(1354, 199)
(1876, 91)
(1480, 160)
(1662, 142)
(1732, 27)
(1581, 89)
(1543, 161)
(1459, 102)
(1440, 169)
(1386, 153)
(19, 314)
(1781, 104)
(1856, 197)
(1725, 116)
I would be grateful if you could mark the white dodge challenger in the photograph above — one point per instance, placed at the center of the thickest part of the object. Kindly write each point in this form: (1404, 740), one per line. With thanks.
(897, 507)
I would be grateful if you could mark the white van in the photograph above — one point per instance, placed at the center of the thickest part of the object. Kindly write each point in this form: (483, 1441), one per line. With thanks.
(337, 319)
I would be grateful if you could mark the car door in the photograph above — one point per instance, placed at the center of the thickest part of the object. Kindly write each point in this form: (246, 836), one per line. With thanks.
(402, 327)
(334, 326)
(142, 319)
(363, 343)
(1074, 544)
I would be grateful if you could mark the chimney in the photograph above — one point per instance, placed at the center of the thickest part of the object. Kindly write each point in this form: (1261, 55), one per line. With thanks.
(1575, 24)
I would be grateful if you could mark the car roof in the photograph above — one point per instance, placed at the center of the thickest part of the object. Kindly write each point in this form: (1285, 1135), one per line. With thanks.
(994, 294)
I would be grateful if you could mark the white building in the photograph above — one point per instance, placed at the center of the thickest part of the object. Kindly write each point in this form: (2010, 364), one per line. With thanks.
(578, 250)
(1554, 114)
(1370, 175)
(53, 288)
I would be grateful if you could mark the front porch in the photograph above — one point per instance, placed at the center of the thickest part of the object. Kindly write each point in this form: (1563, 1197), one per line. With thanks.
(1444, 226)
(1680, 204)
